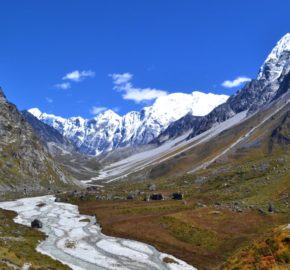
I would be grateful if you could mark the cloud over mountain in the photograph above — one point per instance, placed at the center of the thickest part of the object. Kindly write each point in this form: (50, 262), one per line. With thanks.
(122, 83)
(236, 82)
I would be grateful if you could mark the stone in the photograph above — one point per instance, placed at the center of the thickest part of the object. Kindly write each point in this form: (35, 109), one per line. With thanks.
(130, 197)
(177, 196)
(156, 197)
(270, 208)
(36, 224)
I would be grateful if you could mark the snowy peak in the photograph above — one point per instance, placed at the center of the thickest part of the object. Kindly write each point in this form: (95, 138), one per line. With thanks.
(42, 115)
(205, 103)
(277, 61)
(108, 115)
(174, 106)
(283, 45)
(36, 112)
(108, 130)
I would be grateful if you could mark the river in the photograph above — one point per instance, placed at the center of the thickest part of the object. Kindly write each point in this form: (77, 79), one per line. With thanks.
(77, 241)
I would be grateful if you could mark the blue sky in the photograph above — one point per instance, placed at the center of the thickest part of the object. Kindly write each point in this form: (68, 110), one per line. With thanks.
(122, 54)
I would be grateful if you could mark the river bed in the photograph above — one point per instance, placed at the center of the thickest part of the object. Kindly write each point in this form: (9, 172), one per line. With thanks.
(77, 241)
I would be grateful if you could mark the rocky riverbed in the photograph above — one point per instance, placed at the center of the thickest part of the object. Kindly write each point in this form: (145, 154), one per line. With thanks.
(77, 240)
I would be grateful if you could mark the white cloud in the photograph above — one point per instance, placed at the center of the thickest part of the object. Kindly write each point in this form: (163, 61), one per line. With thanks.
(49, 100)
(78, 76)
(122, 83)
(74, 76)
(96, 110)
(121, 78)
(236, 82)
(139, 95)
(64, 86)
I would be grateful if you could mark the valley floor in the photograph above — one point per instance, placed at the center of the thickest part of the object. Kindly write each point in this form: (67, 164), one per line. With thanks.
(203, 236)
(239, 205)
(77, 241)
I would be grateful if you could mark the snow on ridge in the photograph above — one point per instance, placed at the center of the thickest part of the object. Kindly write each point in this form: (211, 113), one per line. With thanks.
(35, 111)
(275, 62)
(282, 45)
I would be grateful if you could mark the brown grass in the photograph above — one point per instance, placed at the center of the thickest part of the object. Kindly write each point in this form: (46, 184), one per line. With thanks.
(178, 232)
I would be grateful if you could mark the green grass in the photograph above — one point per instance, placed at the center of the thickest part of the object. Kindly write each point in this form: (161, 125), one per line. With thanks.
(17, 246)
(187, 233)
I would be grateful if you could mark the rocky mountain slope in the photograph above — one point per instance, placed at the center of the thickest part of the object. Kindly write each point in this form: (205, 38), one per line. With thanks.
(63, 151)
(194, 143)
(25, 164)
(109, 131)
(50, 137)
(272, 82)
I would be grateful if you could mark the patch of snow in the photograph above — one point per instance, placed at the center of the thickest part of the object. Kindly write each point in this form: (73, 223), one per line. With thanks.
(26, 266)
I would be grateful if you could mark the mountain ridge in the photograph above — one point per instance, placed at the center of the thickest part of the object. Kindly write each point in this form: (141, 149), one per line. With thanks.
(26, 166)
(251, 97)
(108, 130)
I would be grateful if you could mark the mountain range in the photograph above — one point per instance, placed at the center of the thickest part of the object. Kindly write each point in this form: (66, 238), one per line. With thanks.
(269, 85)
(149, 138)
(172, 115)
(108, 130)
(263, 96)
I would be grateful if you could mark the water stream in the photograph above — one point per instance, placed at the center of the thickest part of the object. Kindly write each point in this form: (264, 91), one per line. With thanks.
(77, 240)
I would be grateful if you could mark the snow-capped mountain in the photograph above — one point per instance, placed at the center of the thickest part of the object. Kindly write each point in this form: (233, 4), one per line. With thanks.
(276, 61)
(108, 130)
(272, 82)
(257, 116)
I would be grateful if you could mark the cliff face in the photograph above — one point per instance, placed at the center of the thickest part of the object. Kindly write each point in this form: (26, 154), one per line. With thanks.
(24, 163)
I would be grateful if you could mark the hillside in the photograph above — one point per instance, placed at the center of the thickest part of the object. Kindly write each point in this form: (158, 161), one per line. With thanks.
(26, 166)
(231, 206)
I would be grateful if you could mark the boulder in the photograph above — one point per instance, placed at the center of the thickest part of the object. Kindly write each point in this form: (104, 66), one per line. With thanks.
(130, 197)
(156, 197)
(36, 224)
(177, 196)
(270, 208)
